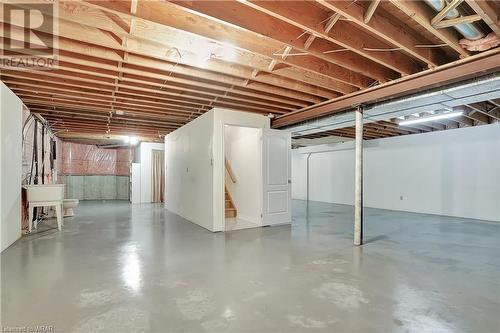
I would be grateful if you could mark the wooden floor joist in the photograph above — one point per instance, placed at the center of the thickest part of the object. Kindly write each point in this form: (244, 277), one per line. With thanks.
(152, 66)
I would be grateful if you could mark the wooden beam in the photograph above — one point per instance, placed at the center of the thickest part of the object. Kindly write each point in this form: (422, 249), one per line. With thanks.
(495, 102)
(55, 80)
(184, 90)
(388, 30)
(371, 10)
(477, 116)
(262, 24)
(76, 108)
(159, 121)
(177, 20)
(166, 44)
(308, 18)
(384, 128)
(459, 20)
(483, 108)
(172, 110)
(68, 99)
(130, 93)
(89, 123)
(68, 121)
(444, 12)
(487, 12)
(418, 12)
(309, 41)
(71, 50)
(331, 22)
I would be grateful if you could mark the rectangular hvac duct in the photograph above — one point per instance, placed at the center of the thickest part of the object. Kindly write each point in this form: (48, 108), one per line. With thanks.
(466, 92)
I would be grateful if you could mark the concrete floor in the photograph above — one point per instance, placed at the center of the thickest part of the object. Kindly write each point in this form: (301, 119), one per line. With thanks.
(232, 224)
(122, 268)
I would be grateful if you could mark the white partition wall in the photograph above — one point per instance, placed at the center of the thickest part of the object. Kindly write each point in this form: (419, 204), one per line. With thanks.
(453, 172)
(195, 165)
(10, 166)
(189, 174)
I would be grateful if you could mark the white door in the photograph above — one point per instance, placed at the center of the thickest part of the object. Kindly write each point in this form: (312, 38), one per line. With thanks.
(276, 162)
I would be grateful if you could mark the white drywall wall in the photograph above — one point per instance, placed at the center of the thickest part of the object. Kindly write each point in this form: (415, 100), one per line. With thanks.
(195, 166)
(144, 158)
(189, 174)
(243, 150)
(453, 172)
(10, 166)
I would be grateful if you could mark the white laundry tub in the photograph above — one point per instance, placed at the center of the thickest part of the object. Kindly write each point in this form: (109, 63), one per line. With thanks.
(44, 192)
(43, 195)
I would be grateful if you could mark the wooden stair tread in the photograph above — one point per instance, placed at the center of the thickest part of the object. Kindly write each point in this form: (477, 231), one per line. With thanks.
(230, 209)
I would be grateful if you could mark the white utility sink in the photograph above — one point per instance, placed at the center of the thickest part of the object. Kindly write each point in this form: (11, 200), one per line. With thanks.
(42, 195)
(44, 192)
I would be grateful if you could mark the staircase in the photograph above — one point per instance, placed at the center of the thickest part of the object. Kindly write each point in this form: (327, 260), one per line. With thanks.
(230, 209)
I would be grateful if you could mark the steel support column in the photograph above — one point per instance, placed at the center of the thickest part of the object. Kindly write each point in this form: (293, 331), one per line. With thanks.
(358, 179)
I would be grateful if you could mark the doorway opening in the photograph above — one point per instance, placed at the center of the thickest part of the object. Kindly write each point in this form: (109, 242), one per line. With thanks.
(242, 177)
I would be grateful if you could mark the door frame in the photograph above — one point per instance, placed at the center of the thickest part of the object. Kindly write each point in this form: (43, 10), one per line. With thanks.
(223, 169)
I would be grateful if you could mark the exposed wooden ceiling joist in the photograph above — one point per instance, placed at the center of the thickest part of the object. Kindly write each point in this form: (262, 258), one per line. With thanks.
(306, 17)
(349, 68)
(273, 84)
(388, 30)
(145, 64)
(156, 15)
(489, 12)
(420, 13)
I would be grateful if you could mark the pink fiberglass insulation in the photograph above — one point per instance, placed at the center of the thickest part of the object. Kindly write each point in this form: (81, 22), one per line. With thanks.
(80, 159)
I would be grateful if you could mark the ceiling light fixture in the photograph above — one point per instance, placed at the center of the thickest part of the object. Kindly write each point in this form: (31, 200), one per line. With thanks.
(431, 118)
(132, 140)
(207, 50)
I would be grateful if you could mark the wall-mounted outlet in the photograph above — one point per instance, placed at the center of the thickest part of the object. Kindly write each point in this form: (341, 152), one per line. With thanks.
(400, 197)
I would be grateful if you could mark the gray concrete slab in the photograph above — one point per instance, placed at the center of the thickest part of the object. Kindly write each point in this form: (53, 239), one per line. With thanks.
(122, 268)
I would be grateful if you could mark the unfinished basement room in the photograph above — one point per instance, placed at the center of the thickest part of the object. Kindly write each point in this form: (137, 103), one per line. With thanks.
(250, 166)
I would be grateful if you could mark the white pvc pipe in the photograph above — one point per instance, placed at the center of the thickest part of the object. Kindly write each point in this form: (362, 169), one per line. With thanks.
(358, 179)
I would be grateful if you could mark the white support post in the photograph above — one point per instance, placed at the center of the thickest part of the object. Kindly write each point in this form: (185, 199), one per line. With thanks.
(307, 186)
(358, 179)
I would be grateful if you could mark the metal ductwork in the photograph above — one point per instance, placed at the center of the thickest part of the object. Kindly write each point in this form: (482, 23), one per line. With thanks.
(447, 97)
(468, 30)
